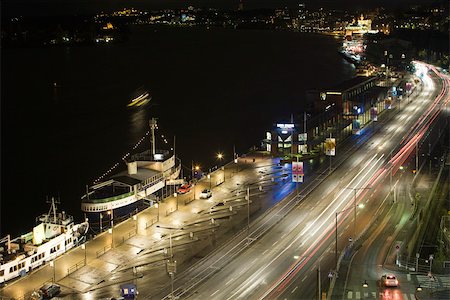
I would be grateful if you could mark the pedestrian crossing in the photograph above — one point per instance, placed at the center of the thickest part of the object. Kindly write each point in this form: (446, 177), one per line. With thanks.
(434, 282)
(376, 295)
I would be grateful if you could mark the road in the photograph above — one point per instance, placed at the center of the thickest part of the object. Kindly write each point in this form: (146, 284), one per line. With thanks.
(284, 263)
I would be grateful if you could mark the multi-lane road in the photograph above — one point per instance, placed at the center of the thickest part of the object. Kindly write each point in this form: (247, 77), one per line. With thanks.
(285, 261)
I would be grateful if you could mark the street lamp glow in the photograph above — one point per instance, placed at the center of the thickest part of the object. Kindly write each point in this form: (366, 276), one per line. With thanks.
(219, 155)
(361, 205)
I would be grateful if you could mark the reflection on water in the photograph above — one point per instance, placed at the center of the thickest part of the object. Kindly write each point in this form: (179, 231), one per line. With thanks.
(138, 124)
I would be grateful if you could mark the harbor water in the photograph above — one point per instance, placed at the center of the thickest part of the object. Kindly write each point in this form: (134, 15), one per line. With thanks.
(65, 119)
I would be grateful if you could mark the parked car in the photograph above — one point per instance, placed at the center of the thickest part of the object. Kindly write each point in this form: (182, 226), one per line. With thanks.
(205, 194)
(184, 188)
(49, 290)
(389, 280)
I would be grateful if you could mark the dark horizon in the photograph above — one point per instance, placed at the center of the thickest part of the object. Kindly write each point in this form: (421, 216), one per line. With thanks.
(73, 7)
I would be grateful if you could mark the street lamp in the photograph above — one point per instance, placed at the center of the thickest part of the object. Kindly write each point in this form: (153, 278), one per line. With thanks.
(111, 213)
(171, 264)
(209, 177)
(365, 284)
(247, 197)
(83, 246)
(135, 223)
(354, 218)
(157, 206)
(175, 195)
(336, 234)
(220, 157)
(52, 264)
(110, 231)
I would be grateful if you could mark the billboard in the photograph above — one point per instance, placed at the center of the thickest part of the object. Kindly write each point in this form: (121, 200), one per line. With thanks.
(356, 126)
(297, 171)
(374, 114)
(330, 146)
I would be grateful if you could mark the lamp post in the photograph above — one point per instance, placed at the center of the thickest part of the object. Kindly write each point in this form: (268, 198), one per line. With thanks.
(336, 234)
(175, 195)
(135, 222)
(209, 177)
(157, 206)
(220, 157)
(83, 246)
(354, 218)
(171, 264)
(248, 214)
(52, 264)
(111, 230)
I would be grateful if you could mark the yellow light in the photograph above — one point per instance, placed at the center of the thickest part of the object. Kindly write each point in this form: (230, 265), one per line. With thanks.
(220, 156)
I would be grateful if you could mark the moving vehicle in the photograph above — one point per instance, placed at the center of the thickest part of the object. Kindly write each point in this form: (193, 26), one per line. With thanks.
(205, 194)
(389, 280)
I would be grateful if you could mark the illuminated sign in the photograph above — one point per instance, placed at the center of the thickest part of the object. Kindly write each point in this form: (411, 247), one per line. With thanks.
(330, 146)
(158, 156)
(323, 96)
(286, 126)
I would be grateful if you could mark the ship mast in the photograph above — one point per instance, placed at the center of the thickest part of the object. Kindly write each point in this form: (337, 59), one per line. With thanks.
(152, 128)
(52, 211)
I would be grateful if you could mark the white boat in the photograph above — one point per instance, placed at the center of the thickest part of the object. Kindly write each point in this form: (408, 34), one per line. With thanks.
(55, 234)
(123, 194)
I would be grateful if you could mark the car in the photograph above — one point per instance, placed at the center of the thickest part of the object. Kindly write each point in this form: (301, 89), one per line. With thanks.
(205, 194)
(50, 290)
(389, 280)
(184, 188)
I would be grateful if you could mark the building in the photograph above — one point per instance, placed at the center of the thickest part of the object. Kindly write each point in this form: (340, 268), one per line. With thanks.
(338, 111)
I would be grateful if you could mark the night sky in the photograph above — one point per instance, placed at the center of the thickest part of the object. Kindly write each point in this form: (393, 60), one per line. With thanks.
(52, 7)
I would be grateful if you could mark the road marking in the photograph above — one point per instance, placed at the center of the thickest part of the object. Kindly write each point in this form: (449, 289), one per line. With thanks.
(408, 276)
(265, 251)
(350, 295)
(374, 295)
(293, 291)
(357, 295)
(274, 243)
(214, 293)
(412, 296)
(366, 294)
(229, 281)
(304, 278)
(283, 236)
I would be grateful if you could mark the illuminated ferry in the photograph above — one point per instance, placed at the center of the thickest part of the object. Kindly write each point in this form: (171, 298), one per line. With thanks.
(55, 234)
(140, 100)
(124, 193)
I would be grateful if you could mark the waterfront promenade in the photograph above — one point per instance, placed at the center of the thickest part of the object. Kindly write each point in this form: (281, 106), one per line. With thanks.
(89, 267)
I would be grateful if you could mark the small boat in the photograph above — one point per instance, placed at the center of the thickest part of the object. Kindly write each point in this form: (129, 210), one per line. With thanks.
(140, 100)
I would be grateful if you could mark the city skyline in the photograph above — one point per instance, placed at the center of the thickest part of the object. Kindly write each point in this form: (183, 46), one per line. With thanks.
(56, 7)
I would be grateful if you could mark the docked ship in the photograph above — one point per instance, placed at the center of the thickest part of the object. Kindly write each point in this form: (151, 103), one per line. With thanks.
(54, 234)
(123, 194)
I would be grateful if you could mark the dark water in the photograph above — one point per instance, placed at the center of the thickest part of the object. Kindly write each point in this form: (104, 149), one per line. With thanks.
(211, 88)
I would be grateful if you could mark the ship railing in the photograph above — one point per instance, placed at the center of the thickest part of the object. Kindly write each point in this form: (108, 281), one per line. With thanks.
(76, 267)
(148, 156)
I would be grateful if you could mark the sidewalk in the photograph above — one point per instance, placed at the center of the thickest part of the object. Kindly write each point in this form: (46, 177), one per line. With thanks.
(79, 270)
